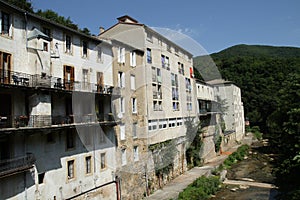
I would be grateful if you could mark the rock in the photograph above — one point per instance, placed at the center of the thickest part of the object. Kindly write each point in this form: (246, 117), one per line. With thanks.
(223, 174)
(234, 189)
(244, 187)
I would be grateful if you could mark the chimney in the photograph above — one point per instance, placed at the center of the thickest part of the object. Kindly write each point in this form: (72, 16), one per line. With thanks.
(101, 29)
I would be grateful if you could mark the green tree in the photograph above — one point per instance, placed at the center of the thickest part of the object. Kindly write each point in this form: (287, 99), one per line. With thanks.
(23, 4)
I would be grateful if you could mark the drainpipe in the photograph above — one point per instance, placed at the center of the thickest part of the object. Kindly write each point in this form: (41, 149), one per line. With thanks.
(26, 29)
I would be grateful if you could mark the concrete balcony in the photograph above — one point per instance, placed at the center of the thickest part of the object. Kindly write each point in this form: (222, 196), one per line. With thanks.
(16, 165)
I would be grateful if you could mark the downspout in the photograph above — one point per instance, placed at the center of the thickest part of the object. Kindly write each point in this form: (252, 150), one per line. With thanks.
(26, 29)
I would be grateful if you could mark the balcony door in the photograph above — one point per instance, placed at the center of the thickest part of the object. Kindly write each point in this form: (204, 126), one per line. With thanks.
(69, 77)
(5, 67)
(5, 110)
(4, 148)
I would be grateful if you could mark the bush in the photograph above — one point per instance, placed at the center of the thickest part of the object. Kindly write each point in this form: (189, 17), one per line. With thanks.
(239, 155)
(201, 188)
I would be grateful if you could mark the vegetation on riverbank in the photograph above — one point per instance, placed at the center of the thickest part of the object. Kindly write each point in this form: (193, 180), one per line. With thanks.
(202, 188)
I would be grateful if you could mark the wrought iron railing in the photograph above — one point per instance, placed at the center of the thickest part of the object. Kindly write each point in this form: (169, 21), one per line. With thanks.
(8, 77)
(18, 121)
(16, 164)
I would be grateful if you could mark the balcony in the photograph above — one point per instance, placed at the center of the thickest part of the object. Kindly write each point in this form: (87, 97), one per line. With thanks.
(19, 79)
(16, 165)
(157, 95)
(43, 121)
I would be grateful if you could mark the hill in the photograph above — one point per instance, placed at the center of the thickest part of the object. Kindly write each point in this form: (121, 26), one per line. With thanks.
(269, 78)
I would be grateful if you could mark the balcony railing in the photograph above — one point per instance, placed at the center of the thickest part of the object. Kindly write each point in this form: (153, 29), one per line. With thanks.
(18, 121)
(8, 77)
(9, 166)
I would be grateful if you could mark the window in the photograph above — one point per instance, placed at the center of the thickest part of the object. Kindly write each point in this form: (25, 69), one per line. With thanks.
(134, 105)
(180, 68)
(99, 54)
(152, 125)
(71, 169)
(123, 157)
(103, 160)
(122, 132)
(45, 46)
(5, 23)
(165, 61)
(134, 126)
(121, 79)
(85, 79)
(157, 105)
(5, 67)
(121, 55)
(132, 82)
(68, 44)
(135, 153)
(188, 84)
(122, 104)
(132, 59)
(175, 106)
(70, 139)
(149, 56)
(172, 122)
(88, 164)
(159, 79)
(84, 49)
(163, 123)
(168, 48)
(68, 77)
(179, 121)
(175, 91)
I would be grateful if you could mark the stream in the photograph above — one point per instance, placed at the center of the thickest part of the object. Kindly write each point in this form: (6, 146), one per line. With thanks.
(257, 167)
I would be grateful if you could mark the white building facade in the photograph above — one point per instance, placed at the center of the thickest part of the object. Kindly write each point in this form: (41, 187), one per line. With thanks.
(56, 128)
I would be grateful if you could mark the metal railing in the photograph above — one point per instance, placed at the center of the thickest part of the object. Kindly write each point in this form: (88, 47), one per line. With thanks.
(18, 121)
(8, 77)
(16, 164)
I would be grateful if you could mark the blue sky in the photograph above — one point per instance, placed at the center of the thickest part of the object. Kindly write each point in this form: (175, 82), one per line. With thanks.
(214, 24)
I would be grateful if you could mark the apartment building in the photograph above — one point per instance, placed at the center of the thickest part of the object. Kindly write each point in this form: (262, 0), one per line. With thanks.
(57, 129)
(209, 115)
(234, 114)
(157, 98)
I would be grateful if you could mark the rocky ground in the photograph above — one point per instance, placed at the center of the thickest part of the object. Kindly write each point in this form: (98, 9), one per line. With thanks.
(257, 167)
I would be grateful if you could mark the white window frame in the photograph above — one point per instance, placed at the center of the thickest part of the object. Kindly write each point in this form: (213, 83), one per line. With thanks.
(123, 157)
(121, 79)
(135, 153)
(122, 132)
(122, 105)
(133, 59)
(132, 82)
(121, 55)
(134, 105)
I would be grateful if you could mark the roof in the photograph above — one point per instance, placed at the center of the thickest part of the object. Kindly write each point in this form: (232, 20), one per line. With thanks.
(127, 20)
(37, 17)
(36, 33)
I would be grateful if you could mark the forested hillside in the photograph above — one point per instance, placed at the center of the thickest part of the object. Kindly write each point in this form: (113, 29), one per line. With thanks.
(269, 78)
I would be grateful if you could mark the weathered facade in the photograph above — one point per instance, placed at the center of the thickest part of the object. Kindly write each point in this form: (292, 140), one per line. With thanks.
(165, 99)
(234, 113)
(105, 117)
(56, 126)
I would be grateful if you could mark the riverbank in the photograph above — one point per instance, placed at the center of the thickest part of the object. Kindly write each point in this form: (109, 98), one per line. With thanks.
(256, 168)
(172, 190)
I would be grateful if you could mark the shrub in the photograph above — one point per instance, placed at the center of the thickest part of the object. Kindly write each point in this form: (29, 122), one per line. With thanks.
(201, 188)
